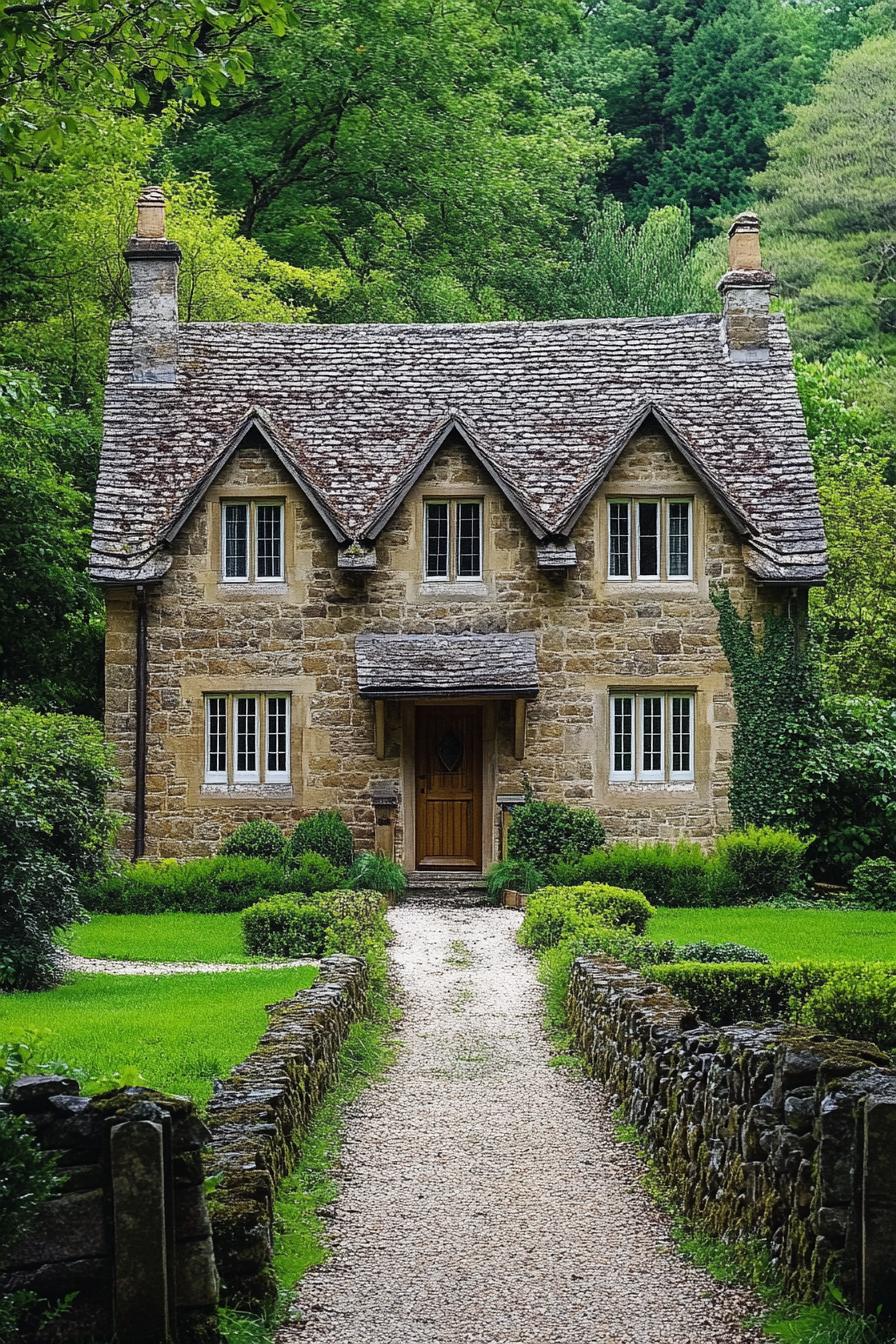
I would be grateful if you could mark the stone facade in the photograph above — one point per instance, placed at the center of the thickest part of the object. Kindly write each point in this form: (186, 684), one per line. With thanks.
(297, 637)
(775, 1132)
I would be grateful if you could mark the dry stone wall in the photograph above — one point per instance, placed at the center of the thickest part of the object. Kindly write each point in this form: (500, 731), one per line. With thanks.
(776, 1132)
(259, 1115)
(298, 638)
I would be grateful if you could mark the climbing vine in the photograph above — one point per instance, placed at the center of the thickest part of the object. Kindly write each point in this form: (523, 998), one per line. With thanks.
(778, 738)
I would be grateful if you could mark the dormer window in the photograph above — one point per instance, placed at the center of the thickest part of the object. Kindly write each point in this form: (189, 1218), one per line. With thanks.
(452, 539)
(251, 541)
(650, 539)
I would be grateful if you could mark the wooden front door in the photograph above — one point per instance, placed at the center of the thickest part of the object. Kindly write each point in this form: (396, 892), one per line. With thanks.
(449, 786)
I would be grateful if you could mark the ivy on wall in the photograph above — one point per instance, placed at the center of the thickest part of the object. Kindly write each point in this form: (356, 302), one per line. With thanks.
(779, 732)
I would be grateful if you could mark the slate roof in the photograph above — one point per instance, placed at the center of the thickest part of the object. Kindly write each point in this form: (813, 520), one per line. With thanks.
(354, 412)
(392, 666)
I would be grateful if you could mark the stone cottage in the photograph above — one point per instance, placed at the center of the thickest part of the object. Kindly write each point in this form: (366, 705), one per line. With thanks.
(403, 570)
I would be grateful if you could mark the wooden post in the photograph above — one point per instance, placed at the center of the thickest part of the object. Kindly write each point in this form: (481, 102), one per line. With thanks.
(379, 728)
(519, 730)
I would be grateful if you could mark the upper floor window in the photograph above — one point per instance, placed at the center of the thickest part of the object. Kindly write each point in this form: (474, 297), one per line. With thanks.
(452, 539)
(652, 736)
(251, 541)
(650, 539)
(247, 739)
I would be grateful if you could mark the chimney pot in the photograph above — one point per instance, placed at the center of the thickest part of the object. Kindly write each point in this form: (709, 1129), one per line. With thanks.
(746, 294)
(153, 262)
(151, 213)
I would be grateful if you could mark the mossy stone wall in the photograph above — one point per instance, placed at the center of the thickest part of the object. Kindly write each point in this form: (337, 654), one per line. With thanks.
(759, 1130)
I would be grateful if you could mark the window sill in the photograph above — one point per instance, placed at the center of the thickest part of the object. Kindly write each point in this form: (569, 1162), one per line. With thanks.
(270, 587)
(246, 790)
(452, 588)
(645, 786)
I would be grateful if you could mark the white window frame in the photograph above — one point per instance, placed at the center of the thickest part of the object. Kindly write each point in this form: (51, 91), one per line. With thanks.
(236, 504)
(427, 505)
(252, 506)
(686, 775)
(452, 506)
(268, 504)
(637, 773)
(627, 576)
(667, 549)
(277, 776)
(245, 776)
(216, 776)
(662, 504)
(656, 504)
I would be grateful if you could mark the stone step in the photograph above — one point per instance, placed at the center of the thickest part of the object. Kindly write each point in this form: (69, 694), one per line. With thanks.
(445, 889)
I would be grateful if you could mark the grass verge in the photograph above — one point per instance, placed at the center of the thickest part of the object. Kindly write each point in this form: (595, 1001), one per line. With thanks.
(301, 1235)
(786, 935)
(176, 1033)
(170, 937)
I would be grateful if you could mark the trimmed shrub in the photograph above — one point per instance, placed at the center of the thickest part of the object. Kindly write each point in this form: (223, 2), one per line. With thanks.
(258, 839)
(512, 875)
(201, 886)
(546, 832)
(324, 833)
(873, 884)
(727, 992)
(552, 913)
(374, 872)
(311, 873)
(766, 864)
(359, 927)
(55, 834)
(286, 926)
(708, 952)
(859, 1003)
(670, 875)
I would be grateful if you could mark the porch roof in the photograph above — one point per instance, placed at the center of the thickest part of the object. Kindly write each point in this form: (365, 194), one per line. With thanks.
(398, 666)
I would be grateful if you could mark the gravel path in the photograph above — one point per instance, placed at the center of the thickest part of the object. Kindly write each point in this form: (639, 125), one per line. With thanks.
(483, 1197)
(109, 966)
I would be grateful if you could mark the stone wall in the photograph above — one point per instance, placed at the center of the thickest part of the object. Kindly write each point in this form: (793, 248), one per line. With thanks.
(84, 1243)
(776, 1132)
(259, 1115)
(298, 637)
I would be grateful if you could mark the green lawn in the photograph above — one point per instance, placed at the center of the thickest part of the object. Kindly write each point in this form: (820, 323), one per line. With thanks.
(160, 938)
(786, 935)
(179, 1031)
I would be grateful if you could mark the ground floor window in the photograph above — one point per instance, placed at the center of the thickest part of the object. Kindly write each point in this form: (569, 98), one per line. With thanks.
(247, 738)
(652, 736)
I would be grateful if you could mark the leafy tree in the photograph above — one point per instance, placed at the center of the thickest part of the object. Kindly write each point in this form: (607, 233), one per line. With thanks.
(690, 92)
(830, 204)
(417, 148)
(849, 404)
(622, 270)
(62, 60)
(50, 619)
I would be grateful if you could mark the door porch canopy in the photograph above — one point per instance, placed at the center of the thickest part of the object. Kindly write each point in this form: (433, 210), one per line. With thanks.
(404, 667)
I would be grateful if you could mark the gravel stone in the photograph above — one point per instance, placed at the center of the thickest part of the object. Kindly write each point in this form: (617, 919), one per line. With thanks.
(483, 1197)
(109, 966)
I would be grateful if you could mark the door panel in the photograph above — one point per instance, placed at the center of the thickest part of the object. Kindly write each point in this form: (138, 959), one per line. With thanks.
(449, 786)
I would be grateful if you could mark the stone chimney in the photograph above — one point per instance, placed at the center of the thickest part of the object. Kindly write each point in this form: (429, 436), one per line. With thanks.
(153, 261)
(746, 290)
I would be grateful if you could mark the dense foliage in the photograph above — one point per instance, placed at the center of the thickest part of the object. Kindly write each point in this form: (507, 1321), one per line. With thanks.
(374, 872)
(323, 833)
(745, 867)
(544, 832)
(553, 913)
(292, 925)
(258, 839)
(55, 833)
(199, 886)
(873, 884)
